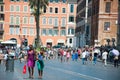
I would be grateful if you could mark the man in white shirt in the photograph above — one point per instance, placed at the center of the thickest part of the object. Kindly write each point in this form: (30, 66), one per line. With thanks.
(83, 56)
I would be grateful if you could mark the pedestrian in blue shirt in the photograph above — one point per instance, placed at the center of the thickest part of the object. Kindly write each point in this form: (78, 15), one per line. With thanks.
(40, 64)
(73, 55)
(76, 55)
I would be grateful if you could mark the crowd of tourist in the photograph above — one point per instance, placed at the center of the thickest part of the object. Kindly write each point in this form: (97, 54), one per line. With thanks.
(83, 55)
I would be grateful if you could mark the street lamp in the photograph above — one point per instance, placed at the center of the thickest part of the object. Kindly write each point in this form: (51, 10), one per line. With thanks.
(113, 42)
(108, 41)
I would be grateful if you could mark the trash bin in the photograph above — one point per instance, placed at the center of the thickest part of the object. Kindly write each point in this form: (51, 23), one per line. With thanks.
(10, 63)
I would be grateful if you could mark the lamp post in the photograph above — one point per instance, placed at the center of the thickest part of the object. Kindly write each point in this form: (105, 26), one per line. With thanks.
(79, 40)
(113, 42)
(87, 26)
(108, 41)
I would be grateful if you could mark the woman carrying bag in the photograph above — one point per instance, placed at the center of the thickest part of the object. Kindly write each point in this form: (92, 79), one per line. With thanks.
(40, 64)
(31, 55)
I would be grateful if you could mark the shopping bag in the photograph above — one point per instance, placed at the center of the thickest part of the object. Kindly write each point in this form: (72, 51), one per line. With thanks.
(24, 69)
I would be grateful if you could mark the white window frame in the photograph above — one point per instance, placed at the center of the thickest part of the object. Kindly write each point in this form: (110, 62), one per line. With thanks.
(31, 31)
(73, 8)
(61, 32)
(70, 31)
(44, 20)
(107, 26)
(63, 22)
(52, 9)
(50, 33)
(24, 8)
(24, 20)
(50, 20)
(55, 30)
(11, 8)
(17, 30)
(43, 32)
(31, 20)
(18, 20)
(56, 22)
(24, 30)
(12, 21)
(11, 30)
(18, 8)
(62, 10)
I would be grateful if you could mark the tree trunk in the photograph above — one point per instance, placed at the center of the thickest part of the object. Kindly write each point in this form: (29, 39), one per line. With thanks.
(37, 24)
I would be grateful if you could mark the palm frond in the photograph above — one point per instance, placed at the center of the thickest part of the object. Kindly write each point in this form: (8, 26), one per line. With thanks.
(42, 5)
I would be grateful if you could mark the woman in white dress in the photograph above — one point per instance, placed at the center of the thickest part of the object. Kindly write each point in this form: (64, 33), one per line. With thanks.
(104, 57)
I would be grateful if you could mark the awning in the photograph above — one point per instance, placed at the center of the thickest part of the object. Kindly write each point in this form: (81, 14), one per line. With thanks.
(8, 42)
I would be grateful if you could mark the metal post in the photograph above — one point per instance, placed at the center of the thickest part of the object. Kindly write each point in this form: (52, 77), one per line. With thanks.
(79, 40)
(86, 22)
(118, 27)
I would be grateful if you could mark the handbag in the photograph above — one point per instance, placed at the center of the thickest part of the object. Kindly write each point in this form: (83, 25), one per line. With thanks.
(24, 69)
(116, 58)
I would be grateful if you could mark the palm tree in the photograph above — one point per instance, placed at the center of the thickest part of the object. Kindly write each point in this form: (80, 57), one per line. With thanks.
(38, 6)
